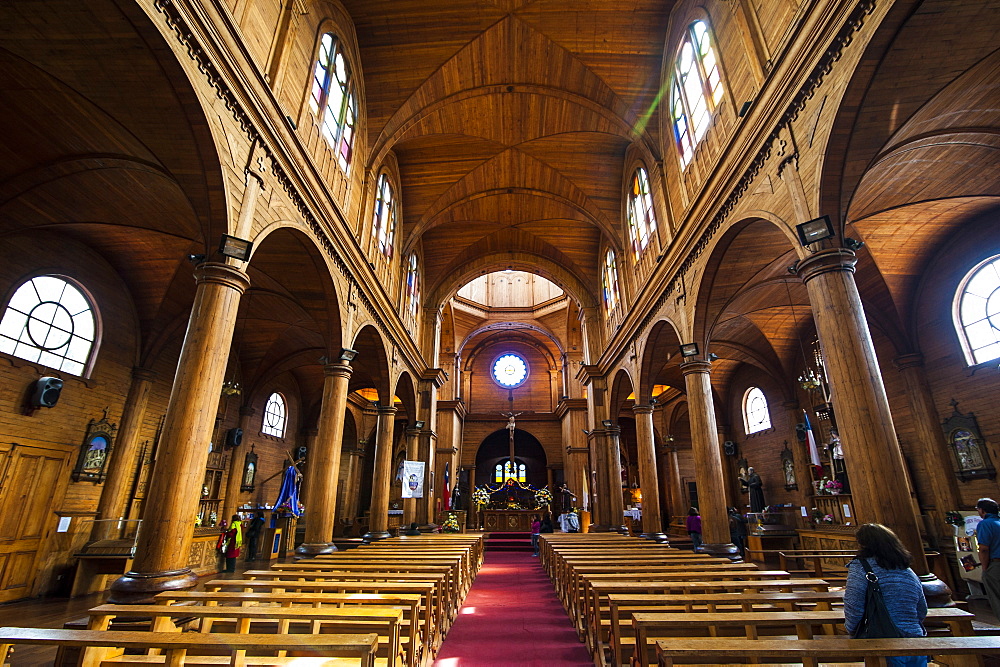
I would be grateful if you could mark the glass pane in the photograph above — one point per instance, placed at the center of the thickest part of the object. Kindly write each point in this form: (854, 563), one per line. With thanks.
(980, 334)
(988, 353)
(25, 298)
(984, 282)
(49, 288)
(13, 324)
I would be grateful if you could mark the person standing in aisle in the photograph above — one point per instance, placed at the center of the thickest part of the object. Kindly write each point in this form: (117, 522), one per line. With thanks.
(988, 535)
(693, 524)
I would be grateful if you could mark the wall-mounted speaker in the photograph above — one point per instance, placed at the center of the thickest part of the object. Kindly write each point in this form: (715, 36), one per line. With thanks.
(729, 447)
(45, 393)
(800, 432)
(301, 452)
(234, 438)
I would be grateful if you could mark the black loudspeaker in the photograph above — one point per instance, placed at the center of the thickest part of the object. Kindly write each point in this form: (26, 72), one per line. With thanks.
(800, 432)
(46, 392)
(729, 447)
(301, 452)
(234, 438)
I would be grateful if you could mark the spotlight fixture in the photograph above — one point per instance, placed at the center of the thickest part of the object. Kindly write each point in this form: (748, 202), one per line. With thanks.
(585, 432)
(418, 425)
(607, 423)
(237, 248)
(815, 231)
(853, 244)
(347, 354)
(689, 350)
(712, 356)
(196, 259)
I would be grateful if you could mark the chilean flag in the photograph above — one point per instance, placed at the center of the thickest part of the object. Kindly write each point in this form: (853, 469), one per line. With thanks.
(445, 493)
(810, 440)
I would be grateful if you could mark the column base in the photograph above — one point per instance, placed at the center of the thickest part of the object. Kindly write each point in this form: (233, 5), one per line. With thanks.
(936, 591)
(656, 537)
(427, 528)
(594, 528)
(140, 587)
(305, 550)
(375, 536)
(721, 551)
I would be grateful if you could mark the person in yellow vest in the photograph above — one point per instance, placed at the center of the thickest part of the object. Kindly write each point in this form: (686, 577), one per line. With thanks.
(231, 541)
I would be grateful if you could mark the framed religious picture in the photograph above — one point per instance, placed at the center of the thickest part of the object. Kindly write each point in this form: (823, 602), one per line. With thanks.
(249, 471)
(967, 446)
(93, 458)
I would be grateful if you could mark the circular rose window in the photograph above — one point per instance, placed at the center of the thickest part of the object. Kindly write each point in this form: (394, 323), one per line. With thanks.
(510, 370)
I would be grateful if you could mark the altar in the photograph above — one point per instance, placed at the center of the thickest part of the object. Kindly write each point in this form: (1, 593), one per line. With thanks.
(508, 520)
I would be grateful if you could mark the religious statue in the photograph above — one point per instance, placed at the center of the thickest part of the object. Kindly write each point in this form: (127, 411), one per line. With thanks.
(755, 485)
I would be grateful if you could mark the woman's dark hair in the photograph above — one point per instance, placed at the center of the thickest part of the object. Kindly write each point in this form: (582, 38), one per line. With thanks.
(693, 511)
(236, 517)
(878, 542)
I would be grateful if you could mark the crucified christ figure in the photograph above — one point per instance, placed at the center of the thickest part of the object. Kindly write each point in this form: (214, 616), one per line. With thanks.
(511, 425)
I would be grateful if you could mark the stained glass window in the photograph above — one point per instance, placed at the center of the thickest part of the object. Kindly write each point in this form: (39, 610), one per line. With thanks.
(510, 370)
(384, 218)
(756, 416)
(413, 285)
(696, 90)
(641, 219)
(977, 312)
(610, 282)
(332, 98)
(50, 322)
(508, 470)
(274, 416)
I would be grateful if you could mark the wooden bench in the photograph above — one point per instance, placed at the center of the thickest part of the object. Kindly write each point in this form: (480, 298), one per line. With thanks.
(246, 620)
(621, 606)
(652, 627)
(961, 651)
(181, 648)
(414, 638)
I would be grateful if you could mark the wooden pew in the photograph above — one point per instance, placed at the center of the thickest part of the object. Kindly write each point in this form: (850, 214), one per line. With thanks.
(415, 641)
(428, 590)
(961, 651)
(381, 621)
(621, 606)
(651, 627)
(181, 648)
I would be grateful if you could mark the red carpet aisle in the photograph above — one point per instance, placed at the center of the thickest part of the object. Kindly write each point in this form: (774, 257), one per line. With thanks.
(512, 617)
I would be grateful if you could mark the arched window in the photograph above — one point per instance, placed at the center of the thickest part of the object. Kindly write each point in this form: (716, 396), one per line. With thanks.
(977, 312)
(755, 413)
(274, 416)
(413, 285)
(641, 219)
(49, 321)
(333, 100)
(610, 282)
(696, 90)
(508, 470)
(384, 218)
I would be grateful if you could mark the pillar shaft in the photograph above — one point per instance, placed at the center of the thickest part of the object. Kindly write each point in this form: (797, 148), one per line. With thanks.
(379, 517)
(864, 422)
(705, 447)
(410, 504)
(114, 495)
(652, 521)
(616, 502)
(324, 461)
(234, 480)
(164, 544)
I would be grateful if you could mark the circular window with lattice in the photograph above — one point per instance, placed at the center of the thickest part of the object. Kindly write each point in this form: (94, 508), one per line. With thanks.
(510, 370)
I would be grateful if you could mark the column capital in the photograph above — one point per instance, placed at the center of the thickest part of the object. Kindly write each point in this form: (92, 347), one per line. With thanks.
(140, 373)
(341, 369)
(413, 432)
(911, 360)
(386, 409)
(826, 261)
(642, 409)
(222, 274)
(696, 366)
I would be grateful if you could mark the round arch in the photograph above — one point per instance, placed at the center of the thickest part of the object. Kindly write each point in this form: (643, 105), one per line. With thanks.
(494, 449)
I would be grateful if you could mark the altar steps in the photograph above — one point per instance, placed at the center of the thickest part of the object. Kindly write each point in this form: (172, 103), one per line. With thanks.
(508, 542)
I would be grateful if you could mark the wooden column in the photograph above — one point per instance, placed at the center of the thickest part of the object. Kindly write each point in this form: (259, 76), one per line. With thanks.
(379, 516)
(410, 504)
(472, 513)
(324, 460)
(234, 480)
(864, 421)
(707, 459)
(164, 546)
(115, 494)
(308, 436)
(616, 501)
(652, 520)
(428, 453)
(677, 492)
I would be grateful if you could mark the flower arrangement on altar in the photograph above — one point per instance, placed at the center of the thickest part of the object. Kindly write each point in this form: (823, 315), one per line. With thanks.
(450, 524)
(833, 486)
(543, 497)
(819, 518)
(480, 498)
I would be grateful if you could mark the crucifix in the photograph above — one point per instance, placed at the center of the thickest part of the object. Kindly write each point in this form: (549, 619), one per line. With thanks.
(510, 433)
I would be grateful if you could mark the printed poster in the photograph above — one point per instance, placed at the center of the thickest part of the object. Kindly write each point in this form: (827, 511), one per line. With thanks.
(413, 479)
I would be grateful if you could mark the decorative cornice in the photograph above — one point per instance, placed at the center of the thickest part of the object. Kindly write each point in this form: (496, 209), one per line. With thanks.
(568, 405)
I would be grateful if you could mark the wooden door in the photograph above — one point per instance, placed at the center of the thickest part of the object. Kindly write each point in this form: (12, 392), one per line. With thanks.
(30, 479)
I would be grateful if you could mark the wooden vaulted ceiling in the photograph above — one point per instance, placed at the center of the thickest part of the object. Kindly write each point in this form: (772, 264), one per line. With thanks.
(510, 120)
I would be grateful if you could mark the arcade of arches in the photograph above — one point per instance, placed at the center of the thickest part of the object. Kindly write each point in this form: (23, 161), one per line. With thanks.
(429, 186)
